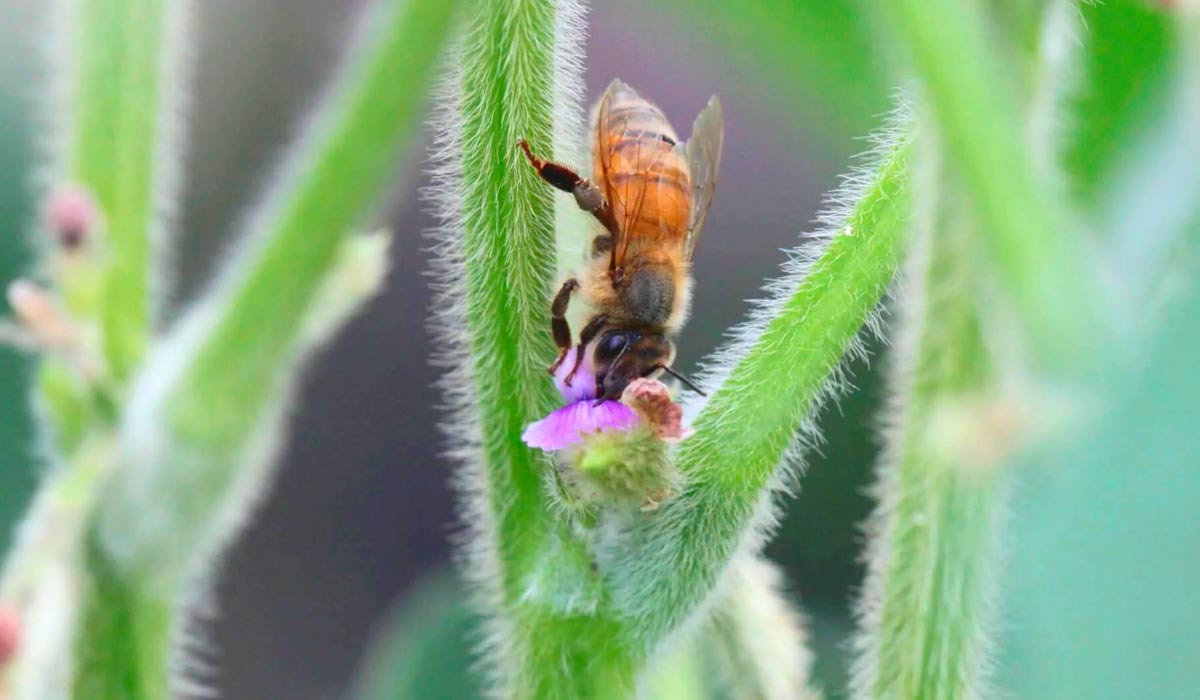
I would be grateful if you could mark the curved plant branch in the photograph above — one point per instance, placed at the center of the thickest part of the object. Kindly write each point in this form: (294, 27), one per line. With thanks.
(765, 387)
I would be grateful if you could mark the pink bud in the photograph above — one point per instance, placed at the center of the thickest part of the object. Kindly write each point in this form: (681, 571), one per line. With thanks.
(71, 215)
(10, 632)
(652, 401)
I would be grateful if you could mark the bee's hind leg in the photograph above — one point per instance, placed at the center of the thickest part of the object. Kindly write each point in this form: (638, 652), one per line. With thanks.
(558, 322)
(587, 195)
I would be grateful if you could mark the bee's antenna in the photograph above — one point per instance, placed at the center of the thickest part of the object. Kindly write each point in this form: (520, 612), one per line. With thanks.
(687, 382)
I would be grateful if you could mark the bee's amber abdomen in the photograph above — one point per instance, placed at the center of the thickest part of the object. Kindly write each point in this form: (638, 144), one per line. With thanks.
(636, 161)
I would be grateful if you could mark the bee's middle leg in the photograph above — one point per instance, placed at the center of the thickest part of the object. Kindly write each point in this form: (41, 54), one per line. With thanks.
(558, 322)
(587, 195)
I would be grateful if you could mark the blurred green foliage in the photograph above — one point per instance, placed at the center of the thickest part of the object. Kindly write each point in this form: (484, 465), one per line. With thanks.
(817, 60)
(18, 466)
(424, 647)
(1126, 61)
(1105, 540)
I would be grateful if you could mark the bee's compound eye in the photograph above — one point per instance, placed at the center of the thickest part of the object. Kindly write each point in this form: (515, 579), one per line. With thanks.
(612, 344)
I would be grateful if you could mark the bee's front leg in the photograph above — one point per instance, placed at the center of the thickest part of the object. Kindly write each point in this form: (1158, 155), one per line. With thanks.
(587, 335)
(558, 322)
(587, 195)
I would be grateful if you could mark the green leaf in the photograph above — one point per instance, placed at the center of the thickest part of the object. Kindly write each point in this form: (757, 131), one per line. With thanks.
(1030, 240)
(1126, 60)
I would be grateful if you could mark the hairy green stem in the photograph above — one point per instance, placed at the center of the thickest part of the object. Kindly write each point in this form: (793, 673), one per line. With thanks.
(123, 649)
(1030, 240)
(667, 562)
(924, 608)
(537, 578)
(756, 643)
(118, 58)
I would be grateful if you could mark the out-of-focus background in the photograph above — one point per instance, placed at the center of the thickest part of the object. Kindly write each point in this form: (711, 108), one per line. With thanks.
(361, 512)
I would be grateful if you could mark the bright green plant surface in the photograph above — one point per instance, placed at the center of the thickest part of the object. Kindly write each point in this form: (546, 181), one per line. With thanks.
(160, 440)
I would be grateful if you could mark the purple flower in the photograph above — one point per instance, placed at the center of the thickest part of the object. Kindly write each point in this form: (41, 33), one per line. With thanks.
(567, 426)
(583, 384)
(582, 416)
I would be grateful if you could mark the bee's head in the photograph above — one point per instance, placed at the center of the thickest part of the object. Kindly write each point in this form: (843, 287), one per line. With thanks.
(622, 355)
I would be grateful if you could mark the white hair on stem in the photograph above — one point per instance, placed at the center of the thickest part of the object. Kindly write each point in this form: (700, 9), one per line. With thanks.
(459, 384)
(637, 548)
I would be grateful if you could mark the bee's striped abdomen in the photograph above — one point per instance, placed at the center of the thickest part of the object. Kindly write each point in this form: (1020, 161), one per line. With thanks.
(637, 164)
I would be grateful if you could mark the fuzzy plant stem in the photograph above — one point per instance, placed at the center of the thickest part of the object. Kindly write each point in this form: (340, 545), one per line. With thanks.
(113, 151)
(1030, 240)
(187, 449)
(924, 609)
(117, 58)
(755, 643)
(661, 567)
(498, 248)
(205, 417)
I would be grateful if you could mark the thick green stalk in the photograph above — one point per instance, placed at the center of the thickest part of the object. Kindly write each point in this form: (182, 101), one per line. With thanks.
(924, 608)
(507, 217)
(118, 55)
(1030, 241)
(124, 649)
(534, 575)
(664, 564)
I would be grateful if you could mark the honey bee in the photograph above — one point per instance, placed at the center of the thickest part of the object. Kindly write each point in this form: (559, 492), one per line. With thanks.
(651, 193)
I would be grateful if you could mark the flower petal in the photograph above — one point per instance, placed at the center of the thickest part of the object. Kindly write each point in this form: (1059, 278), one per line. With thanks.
(583, 384)
(566, 426)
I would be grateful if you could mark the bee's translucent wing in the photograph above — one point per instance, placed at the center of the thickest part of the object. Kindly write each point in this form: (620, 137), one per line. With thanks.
(703, 152)
(602, 167)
